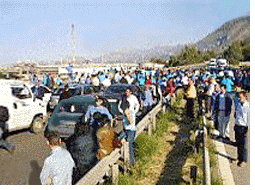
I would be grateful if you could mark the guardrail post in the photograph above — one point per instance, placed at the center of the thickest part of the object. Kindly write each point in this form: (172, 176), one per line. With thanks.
(115, 173)
(206, 159)
(154, 121)
(149, 125)
(126, 155)
(164, 108)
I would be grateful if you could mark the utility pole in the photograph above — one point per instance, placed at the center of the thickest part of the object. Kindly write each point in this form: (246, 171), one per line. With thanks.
(73, 42)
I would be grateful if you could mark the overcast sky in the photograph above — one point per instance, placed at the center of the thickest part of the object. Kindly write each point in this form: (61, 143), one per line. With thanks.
(41, 29)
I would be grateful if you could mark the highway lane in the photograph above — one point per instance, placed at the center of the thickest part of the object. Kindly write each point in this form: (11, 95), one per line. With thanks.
(23, 167)
(227, 157)
(241, 175)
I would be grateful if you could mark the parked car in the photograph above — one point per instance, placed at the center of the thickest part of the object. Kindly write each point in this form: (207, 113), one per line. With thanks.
(116, 92)
(24, 109)
(74, 90)
(222, 63)
(70, 111)
(212, 64)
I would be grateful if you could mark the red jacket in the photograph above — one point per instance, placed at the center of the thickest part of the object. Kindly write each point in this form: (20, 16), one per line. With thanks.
(170, 87)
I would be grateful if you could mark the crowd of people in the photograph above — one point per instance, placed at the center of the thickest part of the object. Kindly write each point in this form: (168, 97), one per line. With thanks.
(217, 89)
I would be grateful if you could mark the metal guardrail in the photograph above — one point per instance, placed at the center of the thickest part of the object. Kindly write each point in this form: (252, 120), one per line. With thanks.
(109, 164)
(206, 158)
(202, 138)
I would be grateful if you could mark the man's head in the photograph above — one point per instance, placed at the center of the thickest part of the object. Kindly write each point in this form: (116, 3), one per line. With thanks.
(238, 88)
(98, 100)
(242, 96)
(216, 87)
(223, 89)
(128, 91)
(54, 139)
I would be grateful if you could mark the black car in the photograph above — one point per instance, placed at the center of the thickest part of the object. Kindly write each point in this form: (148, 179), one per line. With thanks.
(116, 92)
(73, 90)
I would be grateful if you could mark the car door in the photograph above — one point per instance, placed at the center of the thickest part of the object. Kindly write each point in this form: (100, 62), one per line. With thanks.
(22, 107)
(47, 94)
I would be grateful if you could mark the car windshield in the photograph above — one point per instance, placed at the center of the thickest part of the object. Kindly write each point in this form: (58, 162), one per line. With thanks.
(21, 92)
(87, 90)
(72, 108)
(57, 90)
(116, 89)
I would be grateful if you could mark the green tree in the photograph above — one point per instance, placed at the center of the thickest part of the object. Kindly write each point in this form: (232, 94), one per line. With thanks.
(246, 50)
(234, 53)
(156, 60)
(190, 54)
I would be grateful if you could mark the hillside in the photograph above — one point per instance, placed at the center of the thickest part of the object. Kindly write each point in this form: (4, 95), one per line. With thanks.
(233, 30)
(218, 40)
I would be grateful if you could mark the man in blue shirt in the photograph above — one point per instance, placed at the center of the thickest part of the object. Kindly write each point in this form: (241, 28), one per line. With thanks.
(229, 83)
(69, 69)
(101, 76)
(99, 108)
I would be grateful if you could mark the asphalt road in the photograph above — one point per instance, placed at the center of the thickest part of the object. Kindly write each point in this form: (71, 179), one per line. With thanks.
(23, 167)
(241, 175)
(230, 172)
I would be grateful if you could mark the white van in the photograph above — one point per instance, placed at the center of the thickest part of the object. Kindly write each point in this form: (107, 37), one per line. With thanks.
(25, 111)
(212, 64)
(221, 63)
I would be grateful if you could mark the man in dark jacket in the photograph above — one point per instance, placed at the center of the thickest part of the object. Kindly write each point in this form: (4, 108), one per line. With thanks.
(65, 94)
(82, 146)
(4, 116)
(223, 104)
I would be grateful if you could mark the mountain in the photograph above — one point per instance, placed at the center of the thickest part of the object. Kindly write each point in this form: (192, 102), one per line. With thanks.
(225, 35)
(218, 40)
(139, 55)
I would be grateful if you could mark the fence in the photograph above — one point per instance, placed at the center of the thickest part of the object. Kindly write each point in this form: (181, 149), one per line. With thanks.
(110, 164)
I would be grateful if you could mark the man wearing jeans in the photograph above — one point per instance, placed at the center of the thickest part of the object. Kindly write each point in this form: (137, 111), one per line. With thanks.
(130, 128)
(242, 113)
(222, 111)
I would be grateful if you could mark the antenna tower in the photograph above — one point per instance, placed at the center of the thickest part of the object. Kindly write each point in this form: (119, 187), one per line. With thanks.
(73, 42)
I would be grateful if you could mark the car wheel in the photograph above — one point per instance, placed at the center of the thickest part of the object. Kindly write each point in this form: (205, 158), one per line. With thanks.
(37, 125)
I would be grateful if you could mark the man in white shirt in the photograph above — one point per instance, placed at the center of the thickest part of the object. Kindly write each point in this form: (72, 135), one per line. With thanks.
(117, 77)
(106, 82)
(242, 122)
(209, 94)
(95, 82)
(131, 129)
(58, 167)
(128, 78)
